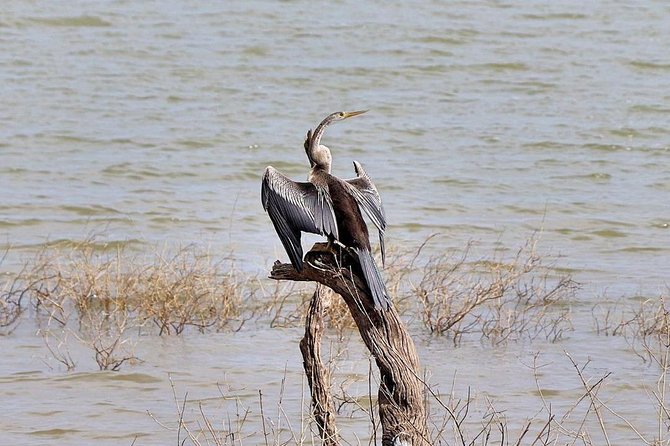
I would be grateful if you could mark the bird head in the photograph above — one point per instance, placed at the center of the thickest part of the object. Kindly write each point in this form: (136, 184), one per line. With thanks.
(314, 138)
(319, 154)
(340, 116)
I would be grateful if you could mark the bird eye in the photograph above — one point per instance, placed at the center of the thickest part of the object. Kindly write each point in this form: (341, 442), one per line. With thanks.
(341, 114)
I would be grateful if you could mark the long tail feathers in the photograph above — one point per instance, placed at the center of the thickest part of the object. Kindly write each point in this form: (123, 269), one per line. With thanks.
(374, 279)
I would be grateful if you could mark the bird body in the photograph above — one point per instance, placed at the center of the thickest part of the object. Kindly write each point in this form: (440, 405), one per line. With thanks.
(329, 206)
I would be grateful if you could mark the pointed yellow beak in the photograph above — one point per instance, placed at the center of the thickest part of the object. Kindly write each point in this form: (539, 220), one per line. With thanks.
(353, 113)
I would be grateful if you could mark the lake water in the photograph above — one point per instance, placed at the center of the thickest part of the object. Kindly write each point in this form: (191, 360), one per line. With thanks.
(152, 122)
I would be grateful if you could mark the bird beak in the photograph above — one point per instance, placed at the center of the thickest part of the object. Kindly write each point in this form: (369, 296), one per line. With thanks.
(353, 113)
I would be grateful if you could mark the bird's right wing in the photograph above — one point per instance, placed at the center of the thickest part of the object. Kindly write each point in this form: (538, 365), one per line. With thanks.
(368, 198)
(294, 207)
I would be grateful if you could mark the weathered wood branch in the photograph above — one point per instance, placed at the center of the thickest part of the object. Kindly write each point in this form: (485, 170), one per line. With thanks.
(401, 392)
(318, 375)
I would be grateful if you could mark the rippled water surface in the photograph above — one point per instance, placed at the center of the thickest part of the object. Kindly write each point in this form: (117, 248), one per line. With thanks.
(151, 122)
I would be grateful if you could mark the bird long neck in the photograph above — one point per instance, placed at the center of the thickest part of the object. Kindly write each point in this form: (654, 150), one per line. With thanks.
(320, 159)
(318, 133)
(319, 155)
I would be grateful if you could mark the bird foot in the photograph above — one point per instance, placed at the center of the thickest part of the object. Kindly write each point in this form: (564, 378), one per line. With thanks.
(319, 256)
(334, 248)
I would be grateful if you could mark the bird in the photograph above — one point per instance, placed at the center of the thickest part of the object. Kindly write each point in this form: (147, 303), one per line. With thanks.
(330, 206)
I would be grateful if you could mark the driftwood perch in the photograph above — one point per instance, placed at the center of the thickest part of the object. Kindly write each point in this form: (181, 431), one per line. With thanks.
(401, 392)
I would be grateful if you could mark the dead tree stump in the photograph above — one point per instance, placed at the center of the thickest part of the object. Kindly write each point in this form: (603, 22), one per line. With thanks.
(318, 375)
(401, 392)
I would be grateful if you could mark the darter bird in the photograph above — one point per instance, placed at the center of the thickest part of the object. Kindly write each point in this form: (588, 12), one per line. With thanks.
(330, 206)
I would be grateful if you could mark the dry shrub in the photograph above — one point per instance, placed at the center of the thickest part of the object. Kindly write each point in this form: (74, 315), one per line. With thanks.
(646, 326)
(498, 299)
(336, 315)
(188, 290)
(81, 294)
(199, 429)
(11, 296)
(456, 419)
(465, 421)
(103, 298)
(589, 419)
(175, 292)
(278, 304)
(397, 271)
(647, 318)
(285, 304)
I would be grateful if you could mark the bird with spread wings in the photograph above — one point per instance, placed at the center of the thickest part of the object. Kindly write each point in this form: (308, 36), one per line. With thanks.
(330, 206)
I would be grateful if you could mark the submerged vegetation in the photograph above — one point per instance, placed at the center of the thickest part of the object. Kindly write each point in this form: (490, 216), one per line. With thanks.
(106, 300)
(499, 299)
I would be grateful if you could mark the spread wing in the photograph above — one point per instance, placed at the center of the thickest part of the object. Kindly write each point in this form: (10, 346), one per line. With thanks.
(294, 207)
(368, 198)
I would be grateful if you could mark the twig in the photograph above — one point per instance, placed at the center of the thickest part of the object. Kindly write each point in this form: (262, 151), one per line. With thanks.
(265, 432)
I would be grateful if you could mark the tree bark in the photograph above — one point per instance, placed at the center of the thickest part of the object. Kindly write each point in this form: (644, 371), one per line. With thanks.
(401, 392)
(318, 375)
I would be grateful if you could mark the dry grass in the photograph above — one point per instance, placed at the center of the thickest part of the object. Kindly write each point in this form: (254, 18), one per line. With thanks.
(646, 327)
(589, 420)
(238, 423)
(188, 290)
(104, 299)
(456, 419)
(173, 292)
(498, 299)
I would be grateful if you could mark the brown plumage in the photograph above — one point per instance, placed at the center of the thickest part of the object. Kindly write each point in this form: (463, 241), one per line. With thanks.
(329, 206)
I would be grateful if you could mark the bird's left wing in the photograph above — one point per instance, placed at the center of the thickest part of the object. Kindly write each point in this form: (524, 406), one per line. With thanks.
(368, 198)
(294, 207)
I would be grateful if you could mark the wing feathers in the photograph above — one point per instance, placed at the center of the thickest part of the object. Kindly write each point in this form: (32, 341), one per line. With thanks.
(374, 279)
(294, 207)
(369, 200)
(301, 206)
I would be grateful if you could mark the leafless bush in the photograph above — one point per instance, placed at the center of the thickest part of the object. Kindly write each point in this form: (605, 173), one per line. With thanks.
(608, 318)
(588, 419)
(57, 341)
(279, 303)
(285, 304)
(11, 296)
(106, 331)
(646, 326)
(498, 299)
(100, 298)
(185, 289)
(336, 315)
(188, 290)
(465, 419)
